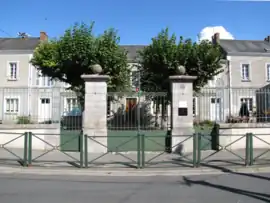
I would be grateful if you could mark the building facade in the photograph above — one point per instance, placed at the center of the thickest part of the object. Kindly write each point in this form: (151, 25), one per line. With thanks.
(246, 72)
(24, 92)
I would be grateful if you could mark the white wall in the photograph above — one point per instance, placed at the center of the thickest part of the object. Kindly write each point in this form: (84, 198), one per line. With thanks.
(230, 133)
(11, 136)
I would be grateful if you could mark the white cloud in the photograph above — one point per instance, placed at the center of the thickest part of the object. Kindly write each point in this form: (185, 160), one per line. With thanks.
(207, 33)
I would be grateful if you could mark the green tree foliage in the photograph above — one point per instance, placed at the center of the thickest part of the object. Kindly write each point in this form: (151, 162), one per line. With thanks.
(72, 55)
(161, 58)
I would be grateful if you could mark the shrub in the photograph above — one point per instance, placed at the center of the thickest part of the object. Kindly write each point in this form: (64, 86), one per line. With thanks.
(237, 119)
(207, 122)
(48, 122)
(23, 120)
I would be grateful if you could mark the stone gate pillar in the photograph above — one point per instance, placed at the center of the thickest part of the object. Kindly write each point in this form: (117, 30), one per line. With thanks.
(95, 112)
(182, 112)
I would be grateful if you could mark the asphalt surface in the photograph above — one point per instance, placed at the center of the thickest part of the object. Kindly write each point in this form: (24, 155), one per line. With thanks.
(224, 188)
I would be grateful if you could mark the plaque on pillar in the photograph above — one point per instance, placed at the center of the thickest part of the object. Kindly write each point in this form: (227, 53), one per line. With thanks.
(182, 111)
(182, 108)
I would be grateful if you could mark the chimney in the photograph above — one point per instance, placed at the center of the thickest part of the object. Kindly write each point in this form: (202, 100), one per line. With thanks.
(216, 38)
(267, 39)
(43, 36)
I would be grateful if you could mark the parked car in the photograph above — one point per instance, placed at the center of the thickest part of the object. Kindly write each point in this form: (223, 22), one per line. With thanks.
(72, 120)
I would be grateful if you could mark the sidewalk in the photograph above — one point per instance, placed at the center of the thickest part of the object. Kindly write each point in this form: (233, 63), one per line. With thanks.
(129, 171)
(153, 160)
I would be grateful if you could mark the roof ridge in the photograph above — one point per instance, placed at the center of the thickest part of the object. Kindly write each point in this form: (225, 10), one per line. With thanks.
(19, 43)
(133, 45)
(9, 38)
(247, 40)
(245, 46)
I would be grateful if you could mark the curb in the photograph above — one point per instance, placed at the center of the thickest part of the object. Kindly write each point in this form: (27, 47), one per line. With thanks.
(121, 173)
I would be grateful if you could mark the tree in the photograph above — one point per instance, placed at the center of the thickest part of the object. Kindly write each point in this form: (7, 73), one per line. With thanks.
(161, 58)
(73, 54)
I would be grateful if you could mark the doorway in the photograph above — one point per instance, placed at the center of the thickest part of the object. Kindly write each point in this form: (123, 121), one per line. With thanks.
(45, 110)
(215, 109)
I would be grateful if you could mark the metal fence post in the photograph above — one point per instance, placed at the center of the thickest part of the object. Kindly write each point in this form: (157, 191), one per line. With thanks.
(195, 149)
(251, 150)
(30, 148)
(143, 149)
(199, 149)
(138, 150)
(247, 158)
(25, 149)
(85, 151)
(81, 150)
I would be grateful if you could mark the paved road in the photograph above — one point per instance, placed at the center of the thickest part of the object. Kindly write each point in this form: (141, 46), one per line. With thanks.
(225, 188)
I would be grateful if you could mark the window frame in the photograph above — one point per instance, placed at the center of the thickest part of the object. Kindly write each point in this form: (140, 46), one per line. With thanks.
(109, 105)
(267, 70)
(242, 72)
(39, 80)
(248, 97)
(131, 77)
(5, 104)
(9, 70)
(195, 104)
(66, 103)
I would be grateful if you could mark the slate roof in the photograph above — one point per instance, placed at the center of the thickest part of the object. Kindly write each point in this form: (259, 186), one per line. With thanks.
(10, 44)
(246, 47)
(232, 47)
(18, 44)
(132, 50)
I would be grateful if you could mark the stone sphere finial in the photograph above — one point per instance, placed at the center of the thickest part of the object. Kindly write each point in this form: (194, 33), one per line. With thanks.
(181, 70)
(97, 69)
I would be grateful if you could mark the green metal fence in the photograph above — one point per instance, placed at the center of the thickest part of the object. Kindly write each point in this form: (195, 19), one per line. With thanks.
(229, 153)
(9, 152)
(261, 156)
(172, 154)
(133, 113)
(52, 151)
(141, 158)
(112, 156)
(225, 153)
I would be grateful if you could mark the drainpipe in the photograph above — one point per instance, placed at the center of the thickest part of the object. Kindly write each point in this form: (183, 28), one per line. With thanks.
(228, 64)
(29, 86)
